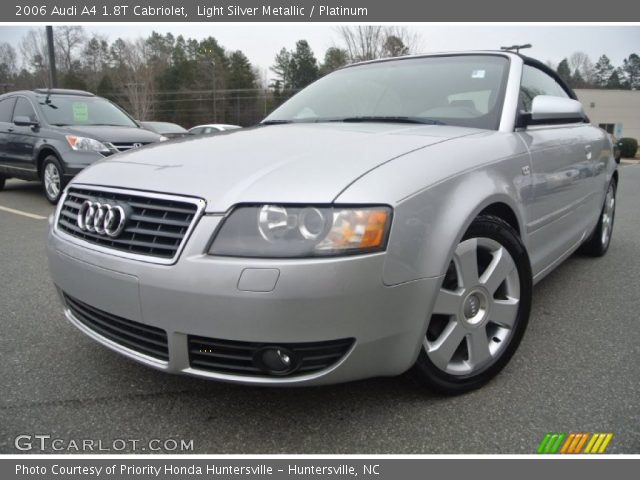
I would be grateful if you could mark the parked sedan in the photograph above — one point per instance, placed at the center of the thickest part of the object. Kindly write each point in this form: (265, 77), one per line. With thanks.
(212, 128)
(392, 216)
(166, 129)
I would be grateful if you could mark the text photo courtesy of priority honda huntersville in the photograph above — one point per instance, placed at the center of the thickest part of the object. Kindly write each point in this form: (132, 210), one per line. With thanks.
(392, 216)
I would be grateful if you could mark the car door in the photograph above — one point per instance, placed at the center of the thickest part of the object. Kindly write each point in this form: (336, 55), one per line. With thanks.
(22, 140)
(6, 127)
(562, 176)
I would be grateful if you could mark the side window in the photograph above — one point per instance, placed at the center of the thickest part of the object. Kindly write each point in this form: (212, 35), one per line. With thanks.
(24, 109)
(6, 109)
(196, 131)
(535, 82)
(608, 127)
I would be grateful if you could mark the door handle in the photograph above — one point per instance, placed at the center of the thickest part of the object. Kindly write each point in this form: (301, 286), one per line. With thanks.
(10, 129)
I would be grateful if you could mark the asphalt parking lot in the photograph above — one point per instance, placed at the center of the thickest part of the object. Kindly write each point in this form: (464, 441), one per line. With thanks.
(577, 370)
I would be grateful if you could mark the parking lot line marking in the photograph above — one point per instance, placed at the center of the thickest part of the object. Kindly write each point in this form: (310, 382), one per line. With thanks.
(24, 214)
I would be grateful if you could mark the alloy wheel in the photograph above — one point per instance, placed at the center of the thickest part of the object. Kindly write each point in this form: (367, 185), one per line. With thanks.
(52, 181)
(476, 309)
(608, 213)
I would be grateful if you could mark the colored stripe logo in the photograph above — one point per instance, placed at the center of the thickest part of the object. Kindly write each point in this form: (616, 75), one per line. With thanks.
(574, 443)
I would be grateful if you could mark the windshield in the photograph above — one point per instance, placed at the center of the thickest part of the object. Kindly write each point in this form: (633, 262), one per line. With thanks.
(76, 110)
(462, 90)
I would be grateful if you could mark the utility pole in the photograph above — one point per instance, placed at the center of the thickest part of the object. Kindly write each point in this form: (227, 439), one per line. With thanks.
(53, 77)
(213, 74)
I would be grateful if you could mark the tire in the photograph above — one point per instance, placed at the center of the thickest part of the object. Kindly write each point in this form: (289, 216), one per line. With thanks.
(53, 181)
(598, 242)
(2, 180)
(481, 311)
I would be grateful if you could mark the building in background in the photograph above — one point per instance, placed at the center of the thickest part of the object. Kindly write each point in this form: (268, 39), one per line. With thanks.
(616, 111)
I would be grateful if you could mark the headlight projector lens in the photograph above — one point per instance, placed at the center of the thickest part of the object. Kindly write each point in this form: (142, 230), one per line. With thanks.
(311, 223)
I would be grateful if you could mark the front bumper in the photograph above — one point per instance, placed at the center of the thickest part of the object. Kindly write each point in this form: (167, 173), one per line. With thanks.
(75, 162)
(301, 300)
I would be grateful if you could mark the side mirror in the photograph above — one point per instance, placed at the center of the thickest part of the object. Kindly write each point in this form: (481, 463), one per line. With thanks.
(549, 109)
(24, 121)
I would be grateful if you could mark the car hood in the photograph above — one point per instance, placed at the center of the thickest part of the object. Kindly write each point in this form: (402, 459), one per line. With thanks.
(110, 134)
(293, 163)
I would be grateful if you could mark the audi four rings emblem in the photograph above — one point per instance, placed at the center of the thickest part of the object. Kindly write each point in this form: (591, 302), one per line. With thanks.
(101, 218)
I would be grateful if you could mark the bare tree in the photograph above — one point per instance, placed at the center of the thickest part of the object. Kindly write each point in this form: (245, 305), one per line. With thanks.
(8, 67)
(33, 49)
(411, 41)
(262, 77)
(581, 63)
(67, 40)
(133, 76)
(363, 42)
(368, 42)
(8, 58)
(576, 60)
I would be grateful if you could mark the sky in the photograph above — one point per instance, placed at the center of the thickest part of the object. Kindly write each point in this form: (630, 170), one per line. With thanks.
(260, 42)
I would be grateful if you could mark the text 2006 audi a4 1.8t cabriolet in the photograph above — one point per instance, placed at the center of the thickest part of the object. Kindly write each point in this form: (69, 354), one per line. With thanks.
(394, 215)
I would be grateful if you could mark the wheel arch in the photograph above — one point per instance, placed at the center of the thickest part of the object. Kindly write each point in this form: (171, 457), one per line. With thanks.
(442, 215)
(43, 153)
(497, 204)
(504, 212)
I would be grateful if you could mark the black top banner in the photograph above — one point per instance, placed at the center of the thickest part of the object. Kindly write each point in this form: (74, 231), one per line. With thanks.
(86, 11)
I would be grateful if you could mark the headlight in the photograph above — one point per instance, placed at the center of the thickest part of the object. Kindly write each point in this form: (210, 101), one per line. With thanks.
(86, 144)
(163, 138)
(287, 231)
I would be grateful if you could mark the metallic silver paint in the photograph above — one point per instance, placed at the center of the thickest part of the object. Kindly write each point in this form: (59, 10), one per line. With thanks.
(546, 107)
(436, 178)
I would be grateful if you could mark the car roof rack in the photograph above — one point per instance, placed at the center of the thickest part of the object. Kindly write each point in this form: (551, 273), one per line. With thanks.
(63, 91)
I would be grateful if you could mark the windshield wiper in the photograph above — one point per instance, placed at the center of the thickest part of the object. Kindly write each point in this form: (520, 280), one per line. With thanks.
(390, 119)
(276, 122)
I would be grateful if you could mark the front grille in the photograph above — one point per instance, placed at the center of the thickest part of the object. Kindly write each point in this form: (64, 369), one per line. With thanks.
(156, 227)
(230, 356)
(123, 147)
(136, 336)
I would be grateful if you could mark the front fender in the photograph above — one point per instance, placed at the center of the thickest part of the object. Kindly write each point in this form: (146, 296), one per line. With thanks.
(429, 225)
(436, 194)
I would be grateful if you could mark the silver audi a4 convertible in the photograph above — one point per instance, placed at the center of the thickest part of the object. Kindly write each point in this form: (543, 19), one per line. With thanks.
(392, 216)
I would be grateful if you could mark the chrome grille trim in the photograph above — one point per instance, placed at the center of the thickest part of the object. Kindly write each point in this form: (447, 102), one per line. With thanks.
(125, 147)
(174, 236)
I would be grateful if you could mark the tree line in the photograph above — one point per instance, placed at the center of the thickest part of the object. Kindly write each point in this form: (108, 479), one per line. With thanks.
(182, 79)
(580, 72)
(190, 81)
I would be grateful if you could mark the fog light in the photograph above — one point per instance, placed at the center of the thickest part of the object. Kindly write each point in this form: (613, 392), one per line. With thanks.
(276, 360)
